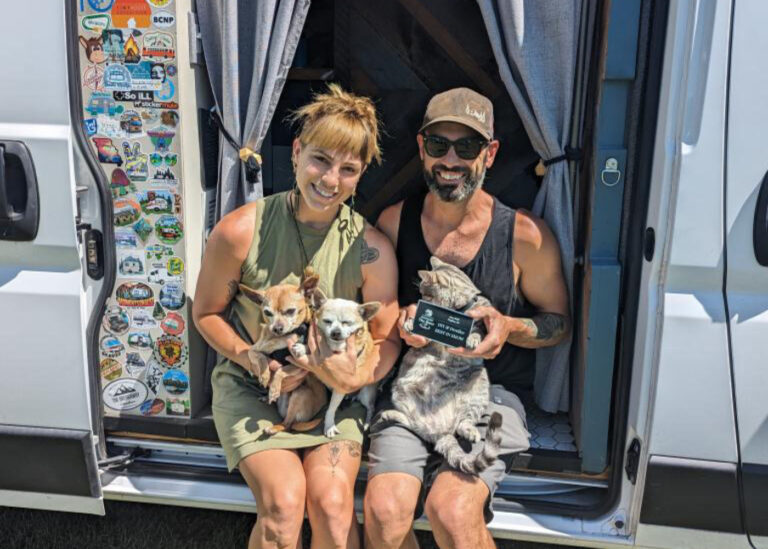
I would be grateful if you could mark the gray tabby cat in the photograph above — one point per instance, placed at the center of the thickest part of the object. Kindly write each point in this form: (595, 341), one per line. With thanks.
(438, 395)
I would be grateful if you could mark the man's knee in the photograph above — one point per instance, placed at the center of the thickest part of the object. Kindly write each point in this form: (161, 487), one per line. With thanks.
(457, 512)
(390, 501)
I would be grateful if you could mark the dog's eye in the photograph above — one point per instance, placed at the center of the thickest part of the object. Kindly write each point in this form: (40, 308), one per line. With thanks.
(327, 321)
(290, 312)
(345, 323)
(267, 313)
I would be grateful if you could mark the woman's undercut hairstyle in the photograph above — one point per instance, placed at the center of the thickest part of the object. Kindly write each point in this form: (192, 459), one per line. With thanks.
(340, 121)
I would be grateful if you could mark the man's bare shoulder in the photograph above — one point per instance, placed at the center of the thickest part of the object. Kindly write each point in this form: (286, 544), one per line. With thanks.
(389, 221)
(532, 234)
(233, 234)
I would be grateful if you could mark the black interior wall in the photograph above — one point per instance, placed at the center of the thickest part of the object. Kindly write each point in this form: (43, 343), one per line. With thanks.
(400, 53)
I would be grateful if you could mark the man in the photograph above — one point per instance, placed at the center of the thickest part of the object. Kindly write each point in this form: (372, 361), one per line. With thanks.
(514, 259)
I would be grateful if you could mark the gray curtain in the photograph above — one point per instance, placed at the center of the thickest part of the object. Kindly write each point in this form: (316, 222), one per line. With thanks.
(248, 47)
(535, 45)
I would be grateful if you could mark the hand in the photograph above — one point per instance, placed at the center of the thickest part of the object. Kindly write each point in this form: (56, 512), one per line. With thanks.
(497, 326)
(410, 339)
(338, 371)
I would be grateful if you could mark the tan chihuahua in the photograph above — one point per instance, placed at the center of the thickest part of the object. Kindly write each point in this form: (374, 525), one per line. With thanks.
(286, 312)
(337, 320)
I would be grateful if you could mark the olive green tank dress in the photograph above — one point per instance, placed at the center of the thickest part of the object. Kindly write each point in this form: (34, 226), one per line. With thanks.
(240, 410)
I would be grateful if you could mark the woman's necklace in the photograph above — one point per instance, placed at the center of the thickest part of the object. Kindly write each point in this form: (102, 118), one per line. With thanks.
(308, 269)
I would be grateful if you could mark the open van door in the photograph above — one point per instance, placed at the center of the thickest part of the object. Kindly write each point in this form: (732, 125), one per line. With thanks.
(746, 230)
(48, 457)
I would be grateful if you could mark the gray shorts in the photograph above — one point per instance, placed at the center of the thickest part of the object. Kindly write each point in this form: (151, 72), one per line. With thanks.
(395, 449)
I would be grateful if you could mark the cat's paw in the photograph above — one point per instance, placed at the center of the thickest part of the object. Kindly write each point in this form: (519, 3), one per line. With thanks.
(473, 340)
(299, 350)
(468, 431)
(332, 431)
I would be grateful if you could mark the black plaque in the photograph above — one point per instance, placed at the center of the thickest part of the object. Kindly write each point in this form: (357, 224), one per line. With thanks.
(441, 324)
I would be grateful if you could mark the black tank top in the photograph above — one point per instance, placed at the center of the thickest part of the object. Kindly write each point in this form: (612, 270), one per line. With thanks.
(490, 270)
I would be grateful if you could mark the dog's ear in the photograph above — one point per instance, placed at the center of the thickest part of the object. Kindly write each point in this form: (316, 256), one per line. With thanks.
(257, 296)
(368, 310)
(317, 298)
(309, 284)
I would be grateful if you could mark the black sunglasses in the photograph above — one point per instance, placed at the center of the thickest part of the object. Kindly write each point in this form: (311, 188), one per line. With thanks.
(467, 148)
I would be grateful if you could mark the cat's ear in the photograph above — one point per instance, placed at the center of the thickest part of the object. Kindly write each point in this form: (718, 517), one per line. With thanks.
(424, 276)
(436, 262)
(317, 299)
(368, 310)
(257, 296)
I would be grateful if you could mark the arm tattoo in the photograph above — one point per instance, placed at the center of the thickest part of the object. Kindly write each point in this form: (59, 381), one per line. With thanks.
(368, 254)
(231, 289)
(542, 328)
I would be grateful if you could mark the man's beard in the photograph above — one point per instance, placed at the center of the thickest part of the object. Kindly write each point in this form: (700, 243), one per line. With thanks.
(454, 193)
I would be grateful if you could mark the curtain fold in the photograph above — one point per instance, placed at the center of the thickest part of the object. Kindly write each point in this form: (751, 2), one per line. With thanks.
(535, 45)
(248, 48)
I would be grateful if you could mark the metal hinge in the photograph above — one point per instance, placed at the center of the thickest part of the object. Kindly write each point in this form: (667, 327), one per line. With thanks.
(195, 40)
(633, 460)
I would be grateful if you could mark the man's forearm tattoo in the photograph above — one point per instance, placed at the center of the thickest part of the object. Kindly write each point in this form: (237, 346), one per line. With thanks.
(368, 254)
(546, 326)
(232, 287)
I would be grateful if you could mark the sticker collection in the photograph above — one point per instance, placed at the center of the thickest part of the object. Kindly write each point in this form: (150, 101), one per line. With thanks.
(131, 117)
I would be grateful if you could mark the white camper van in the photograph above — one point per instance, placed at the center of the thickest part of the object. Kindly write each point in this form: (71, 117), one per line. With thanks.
(112, 174)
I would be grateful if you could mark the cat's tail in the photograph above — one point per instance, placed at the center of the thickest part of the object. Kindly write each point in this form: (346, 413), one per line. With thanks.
(472, 464)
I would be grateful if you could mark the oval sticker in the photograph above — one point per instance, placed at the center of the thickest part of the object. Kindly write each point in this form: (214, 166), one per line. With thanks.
(116, 320)
(110, 369)
(125, 394)
(175, 382)
(135, 294)
(163, 19)
(152, 407)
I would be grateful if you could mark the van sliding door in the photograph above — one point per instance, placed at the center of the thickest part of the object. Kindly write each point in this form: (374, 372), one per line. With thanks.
(746, 228)
(47, 457)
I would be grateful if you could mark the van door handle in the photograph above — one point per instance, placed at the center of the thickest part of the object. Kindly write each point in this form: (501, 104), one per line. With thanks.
(760, 228)
(19, 202)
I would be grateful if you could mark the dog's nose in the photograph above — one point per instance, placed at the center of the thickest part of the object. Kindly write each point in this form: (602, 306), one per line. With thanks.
(278, 329)
(336, 334)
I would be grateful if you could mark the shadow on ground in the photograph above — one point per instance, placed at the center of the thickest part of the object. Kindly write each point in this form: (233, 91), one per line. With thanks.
(136, 525)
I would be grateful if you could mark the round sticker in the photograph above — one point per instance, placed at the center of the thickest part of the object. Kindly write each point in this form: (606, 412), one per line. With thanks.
(172, 296)
(110, 346)
(116, 320)
(101, 5)
(126, 212)
(110, 369)
(152, 407)
(135, 294)
(170, 351)
(175, 382)
(160, 3)
(134, 364)
(125, 394)
(175, 266)
(168, 228)
(93, 78)
(171, 70)
(173, 324)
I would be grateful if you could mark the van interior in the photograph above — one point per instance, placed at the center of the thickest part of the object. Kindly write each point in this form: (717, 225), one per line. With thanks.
(401, 52)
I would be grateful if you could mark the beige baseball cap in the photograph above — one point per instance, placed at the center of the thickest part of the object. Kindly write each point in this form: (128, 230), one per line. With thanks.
(463, 106)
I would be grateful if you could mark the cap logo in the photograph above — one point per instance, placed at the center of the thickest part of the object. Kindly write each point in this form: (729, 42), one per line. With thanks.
(475, 111)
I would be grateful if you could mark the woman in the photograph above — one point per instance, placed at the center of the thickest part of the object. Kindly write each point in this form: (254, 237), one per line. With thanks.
(273, 241)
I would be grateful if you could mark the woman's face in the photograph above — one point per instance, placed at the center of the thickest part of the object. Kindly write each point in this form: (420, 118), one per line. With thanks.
(325, 178)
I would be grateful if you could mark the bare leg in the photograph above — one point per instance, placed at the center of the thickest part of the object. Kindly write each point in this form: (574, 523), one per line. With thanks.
(390, 501)
(331, 471)
(276, 478)
(455, 510)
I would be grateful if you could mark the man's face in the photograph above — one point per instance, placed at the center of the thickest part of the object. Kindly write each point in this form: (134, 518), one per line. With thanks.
(450, 177)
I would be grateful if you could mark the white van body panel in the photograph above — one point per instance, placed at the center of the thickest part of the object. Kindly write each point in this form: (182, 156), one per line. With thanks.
(43, 329)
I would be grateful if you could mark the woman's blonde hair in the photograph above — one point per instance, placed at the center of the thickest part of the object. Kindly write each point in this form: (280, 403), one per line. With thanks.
(341, 121)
